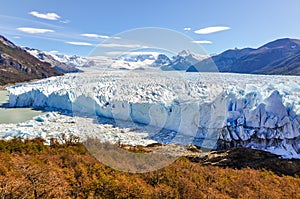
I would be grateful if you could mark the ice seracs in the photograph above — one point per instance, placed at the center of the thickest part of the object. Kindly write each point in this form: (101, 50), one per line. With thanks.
(54, 124)
(205, 109)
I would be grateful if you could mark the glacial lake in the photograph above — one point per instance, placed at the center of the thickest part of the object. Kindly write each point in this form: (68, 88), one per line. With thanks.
(14, 115)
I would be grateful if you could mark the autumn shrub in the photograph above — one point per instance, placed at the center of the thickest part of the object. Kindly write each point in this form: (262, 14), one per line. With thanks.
(30, 169)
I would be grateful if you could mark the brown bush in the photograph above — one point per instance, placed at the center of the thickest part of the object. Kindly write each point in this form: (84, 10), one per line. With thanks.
(30, 169)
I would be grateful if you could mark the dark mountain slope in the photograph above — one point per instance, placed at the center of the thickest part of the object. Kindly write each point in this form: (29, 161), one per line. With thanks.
(277, 57)
(16, 65)
(288, 66)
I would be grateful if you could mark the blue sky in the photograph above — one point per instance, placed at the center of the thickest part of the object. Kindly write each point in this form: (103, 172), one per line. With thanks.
(76, 26)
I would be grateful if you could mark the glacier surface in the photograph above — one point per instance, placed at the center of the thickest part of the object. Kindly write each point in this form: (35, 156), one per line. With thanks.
(207, 109)
(54, 124)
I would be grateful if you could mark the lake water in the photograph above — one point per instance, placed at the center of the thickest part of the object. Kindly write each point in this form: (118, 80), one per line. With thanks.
(14, 115)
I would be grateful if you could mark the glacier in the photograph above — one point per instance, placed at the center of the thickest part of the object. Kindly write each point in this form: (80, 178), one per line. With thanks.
(53, 124)
(211, 110)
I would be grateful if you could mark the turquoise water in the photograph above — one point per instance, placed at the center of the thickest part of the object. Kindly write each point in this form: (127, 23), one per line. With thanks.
(3, 97)
(14, 115)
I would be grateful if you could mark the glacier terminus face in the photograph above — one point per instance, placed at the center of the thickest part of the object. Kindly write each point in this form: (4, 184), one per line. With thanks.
(211, 110)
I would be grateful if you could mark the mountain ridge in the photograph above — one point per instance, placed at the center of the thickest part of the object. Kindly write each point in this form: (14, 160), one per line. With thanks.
(17, 65)
(47, 57)
(273, 58)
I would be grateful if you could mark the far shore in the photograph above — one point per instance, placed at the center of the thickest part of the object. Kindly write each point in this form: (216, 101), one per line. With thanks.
(2, 87)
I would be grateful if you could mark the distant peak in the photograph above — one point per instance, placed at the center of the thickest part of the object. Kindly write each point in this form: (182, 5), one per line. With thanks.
(184, 53)
(284, 42)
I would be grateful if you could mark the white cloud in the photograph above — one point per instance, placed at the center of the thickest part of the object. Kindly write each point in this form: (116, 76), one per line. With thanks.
(50, 16)
(212, 29)
(65, 21)
(96, 36)
(202, 42)
(187, 29)
(116, 45)
(34, 30)
(77, 43)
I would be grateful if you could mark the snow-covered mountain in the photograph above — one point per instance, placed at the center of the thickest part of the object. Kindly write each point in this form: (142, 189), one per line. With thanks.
(133, 62)
(56, 63)
(182, 61)
(162, 60)
(261, 112)
(17, 65)
(63, 63)
(139, 57)
(73, 60)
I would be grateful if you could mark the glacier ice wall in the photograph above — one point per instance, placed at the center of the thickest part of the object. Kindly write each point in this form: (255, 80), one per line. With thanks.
(260, 112)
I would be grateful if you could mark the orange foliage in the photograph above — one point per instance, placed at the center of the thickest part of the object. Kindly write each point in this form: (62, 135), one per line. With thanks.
(29, 169)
